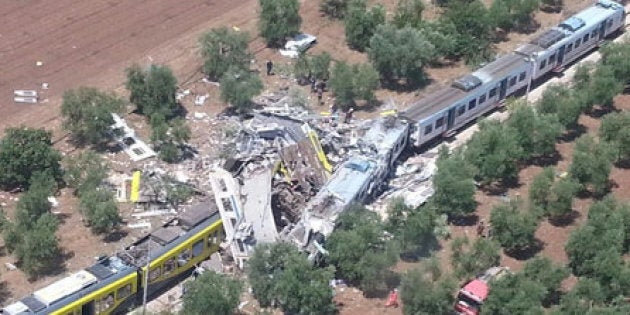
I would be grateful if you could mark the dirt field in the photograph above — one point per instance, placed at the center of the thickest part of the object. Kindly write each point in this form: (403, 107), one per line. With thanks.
(92, 42)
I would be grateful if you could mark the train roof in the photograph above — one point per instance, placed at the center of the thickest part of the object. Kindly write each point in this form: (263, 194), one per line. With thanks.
(176, 231)
(500, 67)
(434, 103)
(588, 17)
(71, 288)
(111, 269)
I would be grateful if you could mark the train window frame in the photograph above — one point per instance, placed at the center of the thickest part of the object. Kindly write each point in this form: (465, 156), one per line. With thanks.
(552, 58)
(197, 248)
(577, 43)
(543, 64)
(185, 256)
(169, 266)
(492, 93)
(439, 122)
(120, 294)
(102, 304)
(585, 38)
(462, 109)
(569, 48)
(155, 273)
(522, 76)
(472, 104)
(512, 81)
(428, 129)
(482, 99)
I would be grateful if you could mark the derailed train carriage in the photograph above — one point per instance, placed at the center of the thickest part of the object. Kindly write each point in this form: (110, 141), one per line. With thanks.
(442, 113)
(115, 284)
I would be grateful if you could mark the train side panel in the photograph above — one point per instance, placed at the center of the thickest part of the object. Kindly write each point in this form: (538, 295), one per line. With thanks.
(105, 301)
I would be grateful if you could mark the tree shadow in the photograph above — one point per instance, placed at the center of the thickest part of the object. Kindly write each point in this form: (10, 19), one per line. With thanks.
(115, 236)
(526, 253)
(564, 220)
(545, 160)
(62, 217)
(572, 133)
(5, 293)
(53, 267)
(464, 220)
(421, 252)
(369, 107)
(501, 188)
(623, 163)
(390, 280)
(599, 111)
(406, 86)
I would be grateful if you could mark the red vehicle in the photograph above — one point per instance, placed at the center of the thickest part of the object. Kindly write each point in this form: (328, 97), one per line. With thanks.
(474, 293)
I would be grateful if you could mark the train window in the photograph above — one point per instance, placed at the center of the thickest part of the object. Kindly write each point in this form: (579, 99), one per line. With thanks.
(197, 248)
(105, 303)
(428, 129)
(569, 48)
(552, 59)
(543, 64)
(522, 76)
(492, 93)
(512, 81)
(609, 24)
(169, 266)
(439, 122)
(472, 104)
(585, 38)
(593, 34)
(482, 99)
(183, 257)
(123, 292)
(462, 109)
(577, 43)
(155, 273)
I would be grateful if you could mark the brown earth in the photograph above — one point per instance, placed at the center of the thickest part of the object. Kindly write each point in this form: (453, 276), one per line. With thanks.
(92, 42)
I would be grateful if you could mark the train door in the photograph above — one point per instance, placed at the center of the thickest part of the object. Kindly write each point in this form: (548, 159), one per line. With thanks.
(451, 118)
(602, 30)
(503, 89)
(561, 55)
(88, 308)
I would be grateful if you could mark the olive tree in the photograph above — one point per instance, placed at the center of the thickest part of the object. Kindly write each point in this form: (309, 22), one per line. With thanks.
(279, 19)
(222, 48)
(361, 23)
(239, 86)
(400, 53)
(24, 152)
(212, 293)
(87, 114)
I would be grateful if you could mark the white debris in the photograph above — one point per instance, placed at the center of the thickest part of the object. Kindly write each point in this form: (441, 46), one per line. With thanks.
(199, 115)
(30, 100)
(53, 201)
(200, 99)
(25, 93)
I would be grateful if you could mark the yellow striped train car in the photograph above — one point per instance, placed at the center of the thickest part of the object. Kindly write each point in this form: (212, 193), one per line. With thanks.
(115, 284)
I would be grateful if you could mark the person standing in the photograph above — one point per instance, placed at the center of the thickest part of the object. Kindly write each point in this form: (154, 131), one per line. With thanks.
(269, 67)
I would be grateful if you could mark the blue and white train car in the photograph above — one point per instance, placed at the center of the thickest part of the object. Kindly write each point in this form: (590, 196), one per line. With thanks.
(574, 37)
(445, 111)
(448, 109)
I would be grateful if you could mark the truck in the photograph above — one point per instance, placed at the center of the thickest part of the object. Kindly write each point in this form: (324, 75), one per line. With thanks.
(473, 294)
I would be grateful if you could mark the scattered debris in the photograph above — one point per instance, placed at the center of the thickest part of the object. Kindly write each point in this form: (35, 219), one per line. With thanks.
(127, 140)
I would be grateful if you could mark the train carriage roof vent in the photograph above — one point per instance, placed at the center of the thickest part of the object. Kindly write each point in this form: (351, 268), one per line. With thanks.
(467, 83)
(548, 38)
(572, 24)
